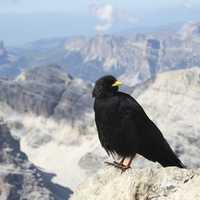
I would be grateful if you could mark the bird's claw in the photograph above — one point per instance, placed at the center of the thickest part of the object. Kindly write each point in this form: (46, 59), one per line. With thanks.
(118, 165)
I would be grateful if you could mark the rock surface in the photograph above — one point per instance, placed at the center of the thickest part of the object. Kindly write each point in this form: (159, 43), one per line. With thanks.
(171, 100)
(19, 178)
(173, 103)
(141, 184)
(49, 92)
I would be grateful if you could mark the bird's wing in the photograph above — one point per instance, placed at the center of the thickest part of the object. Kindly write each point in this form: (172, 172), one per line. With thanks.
(149, 139)
(101, 136)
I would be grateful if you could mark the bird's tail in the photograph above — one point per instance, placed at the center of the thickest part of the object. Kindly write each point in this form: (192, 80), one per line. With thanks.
(172, 160)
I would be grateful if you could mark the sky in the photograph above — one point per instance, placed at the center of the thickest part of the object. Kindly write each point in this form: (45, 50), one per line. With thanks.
(35, 19)
(81, 6)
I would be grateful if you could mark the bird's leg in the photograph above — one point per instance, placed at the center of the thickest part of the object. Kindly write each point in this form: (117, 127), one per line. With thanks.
(121, 162)
(125, 167)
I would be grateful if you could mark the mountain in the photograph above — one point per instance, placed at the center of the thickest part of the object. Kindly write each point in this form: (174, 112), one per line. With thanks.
(51, 113)
(172, 101)
(49, 92)
(134, 58)
(19, 178)
(67, 138)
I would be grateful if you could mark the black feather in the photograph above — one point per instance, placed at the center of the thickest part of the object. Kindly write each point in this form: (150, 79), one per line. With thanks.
(124, 128)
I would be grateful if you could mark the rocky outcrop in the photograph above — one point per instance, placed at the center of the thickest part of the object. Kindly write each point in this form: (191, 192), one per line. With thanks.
(133, 60)
(19, 178)
(172, 101)
(140, 184)
(47, 91)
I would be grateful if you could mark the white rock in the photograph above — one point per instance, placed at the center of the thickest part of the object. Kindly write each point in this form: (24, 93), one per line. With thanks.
(157, 184)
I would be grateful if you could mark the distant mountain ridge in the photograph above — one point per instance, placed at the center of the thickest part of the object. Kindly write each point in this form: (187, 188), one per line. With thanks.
(134, 58)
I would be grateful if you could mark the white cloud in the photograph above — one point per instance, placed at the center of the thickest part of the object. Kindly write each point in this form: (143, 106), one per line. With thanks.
(105, 15)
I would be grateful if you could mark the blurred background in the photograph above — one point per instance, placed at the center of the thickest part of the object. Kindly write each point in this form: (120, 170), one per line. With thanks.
(51, 54)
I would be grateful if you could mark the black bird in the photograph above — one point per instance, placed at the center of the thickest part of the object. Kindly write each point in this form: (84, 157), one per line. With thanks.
(125, 129)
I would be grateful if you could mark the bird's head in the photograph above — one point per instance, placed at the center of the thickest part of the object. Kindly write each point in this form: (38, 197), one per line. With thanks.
(106, 86)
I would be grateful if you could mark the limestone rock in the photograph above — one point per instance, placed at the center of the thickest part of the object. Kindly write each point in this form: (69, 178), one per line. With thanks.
(141, 184)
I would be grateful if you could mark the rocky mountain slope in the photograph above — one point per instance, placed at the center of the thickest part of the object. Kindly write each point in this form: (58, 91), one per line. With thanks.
(150, 183)
(49, 92)
(171, 99)
(51, 113)
(19, 178)
(134, 58)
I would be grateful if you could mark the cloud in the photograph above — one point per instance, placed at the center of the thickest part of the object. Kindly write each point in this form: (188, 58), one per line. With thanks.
(107, 15)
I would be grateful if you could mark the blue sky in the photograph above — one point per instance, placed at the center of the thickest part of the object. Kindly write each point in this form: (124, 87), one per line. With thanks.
(81, 6)
(35, 19)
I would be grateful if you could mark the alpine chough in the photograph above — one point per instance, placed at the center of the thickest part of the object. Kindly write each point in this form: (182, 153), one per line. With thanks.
(125, 129)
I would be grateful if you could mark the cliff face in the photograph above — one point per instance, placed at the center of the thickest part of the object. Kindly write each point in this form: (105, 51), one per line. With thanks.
(150, 183)
(172, 102)
(48, 92)
(19, 178)
(134, 59)
(51, 113)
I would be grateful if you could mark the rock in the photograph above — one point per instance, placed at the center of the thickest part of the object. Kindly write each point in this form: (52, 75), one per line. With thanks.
(49, 92)
(172, 102)
(19, 178)
(139, 184)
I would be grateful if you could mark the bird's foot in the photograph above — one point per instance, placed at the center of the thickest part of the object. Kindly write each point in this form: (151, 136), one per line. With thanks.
(119, 166)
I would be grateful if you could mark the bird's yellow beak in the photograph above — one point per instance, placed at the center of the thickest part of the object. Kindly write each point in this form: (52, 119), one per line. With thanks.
(116, 83)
